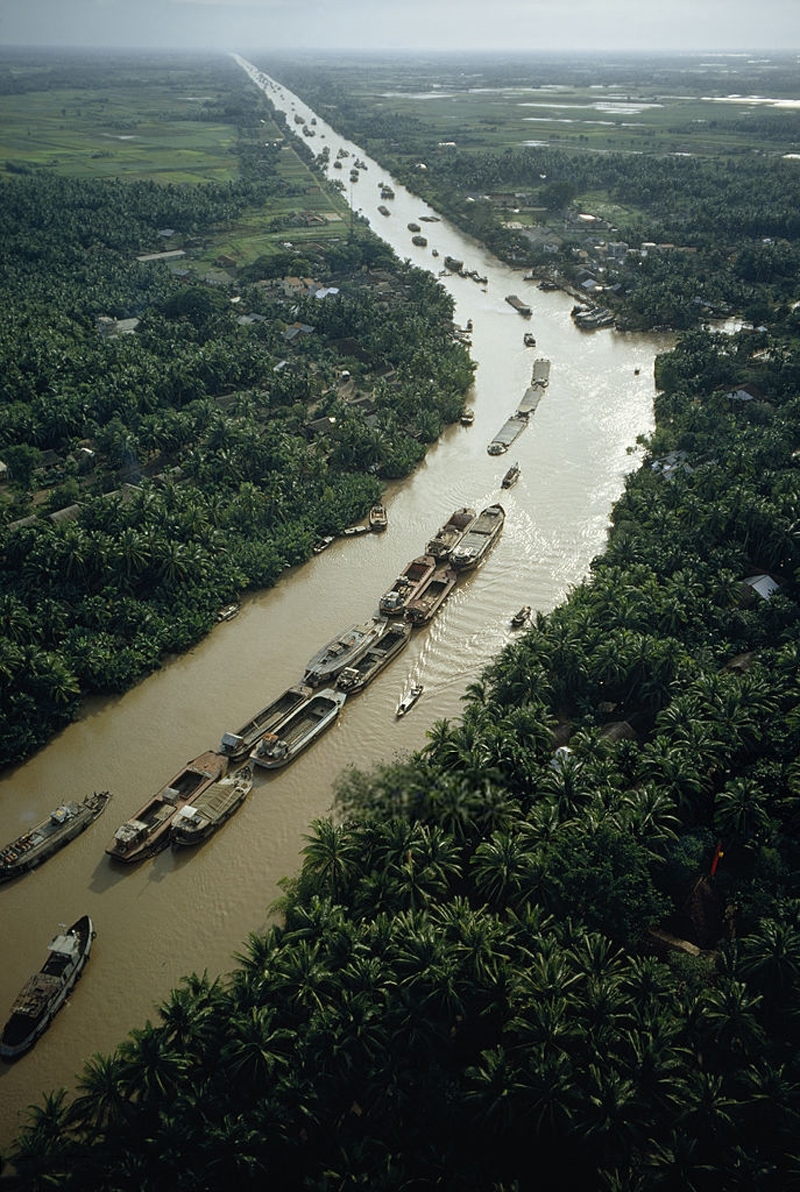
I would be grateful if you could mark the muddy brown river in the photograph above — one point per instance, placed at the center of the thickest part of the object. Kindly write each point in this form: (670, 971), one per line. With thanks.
(180, 913)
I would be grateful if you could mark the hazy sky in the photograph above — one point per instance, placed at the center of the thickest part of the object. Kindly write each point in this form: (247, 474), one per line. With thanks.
(406, 24)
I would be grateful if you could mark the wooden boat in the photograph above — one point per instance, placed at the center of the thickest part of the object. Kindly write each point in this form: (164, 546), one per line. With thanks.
(322, 544)
(519, 618)
(467, 417)
(431, 595)
(453, 264)
(449, 535)
(479, 538)
(343, 650)
(383, 210)
(511, 476)
(541, 371)
(419, 241)
(378, 517)
(520, 307)
(63, 824)
(44, 994)
(237, 745)
(148, 831)
(393, 602)
(409, 699)
(299, 729)
(413, 227)
(394, 639)
(228, 612)
(199, 819)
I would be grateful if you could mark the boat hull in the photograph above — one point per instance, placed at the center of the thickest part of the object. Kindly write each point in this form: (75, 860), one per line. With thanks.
(41, 842)
(431, 596)
(479, 539)
(394, 602)
(345, 650)
(299, 730)
(148, 832)
(236, 746)
(355, 678)
(45, 993)
(196, 822)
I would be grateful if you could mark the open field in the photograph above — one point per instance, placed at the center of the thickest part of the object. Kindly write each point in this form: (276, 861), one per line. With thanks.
(167, 119)
(726, 105)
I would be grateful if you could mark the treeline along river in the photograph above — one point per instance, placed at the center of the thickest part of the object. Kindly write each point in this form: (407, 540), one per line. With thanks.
(191, 910)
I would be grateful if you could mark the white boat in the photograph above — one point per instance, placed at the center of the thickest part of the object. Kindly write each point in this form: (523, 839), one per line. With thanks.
(409, 699)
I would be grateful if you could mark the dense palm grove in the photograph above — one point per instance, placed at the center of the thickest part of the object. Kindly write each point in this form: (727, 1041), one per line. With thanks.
(204, 482)
(559, 947)
(508, 967)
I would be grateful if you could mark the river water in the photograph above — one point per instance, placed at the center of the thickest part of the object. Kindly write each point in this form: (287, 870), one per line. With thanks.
(191, 912)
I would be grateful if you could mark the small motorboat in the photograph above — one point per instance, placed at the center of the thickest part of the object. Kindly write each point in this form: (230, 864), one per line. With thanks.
(519, 619)
(409, 699)
(511, 476)
(228, 612)
(378, 517)
(468, 417)
(529, 339)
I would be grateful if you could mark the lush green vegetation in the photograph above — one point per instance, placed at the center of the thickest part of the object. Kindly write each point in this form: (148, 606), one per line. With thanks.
(513, 151)
(157, 474)
(466, 975)
(560, 945)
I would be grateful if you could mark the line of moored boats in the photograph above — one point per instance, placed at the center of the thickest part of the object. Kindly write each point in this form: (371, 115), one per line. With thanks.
(210, 788)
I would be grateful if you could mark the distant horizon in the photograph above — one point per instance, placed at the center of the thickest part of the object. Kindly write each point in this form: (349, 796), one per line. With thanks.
(417, 26)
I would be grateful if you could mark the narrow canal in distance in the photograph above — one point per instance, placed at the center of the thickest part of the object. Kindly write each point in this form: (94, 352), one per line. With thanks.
(192, 911)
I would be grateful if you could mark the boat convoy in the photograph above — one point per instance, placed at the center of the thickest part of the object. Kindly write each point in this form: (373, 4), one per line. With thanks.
(515, 425)
(203, 795)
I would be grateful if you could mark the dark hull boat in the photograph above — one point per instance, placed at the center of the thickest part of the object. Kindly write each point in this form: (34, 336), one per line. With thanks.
(299, 729)
(40, 842)
(238, 745)
(149, 830)
(431, 595)
(345, 650)
(393, 603)
(394, 639)
(198, 820)
(479, 538)
(44, 994)
(450, 534)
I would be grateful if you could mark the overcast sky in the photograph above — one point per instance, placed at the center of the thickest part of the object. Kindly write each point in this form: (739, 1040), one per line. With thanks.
(406, 24)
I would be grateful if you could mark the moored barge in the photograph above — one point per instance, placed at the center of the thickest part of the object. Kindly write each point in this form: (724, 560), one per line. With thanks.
(299, 729)
(237, 745)
(479, 539)
(199, 819)
(395, 638)
(148, 831)
(63, 824)
(328, 662)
